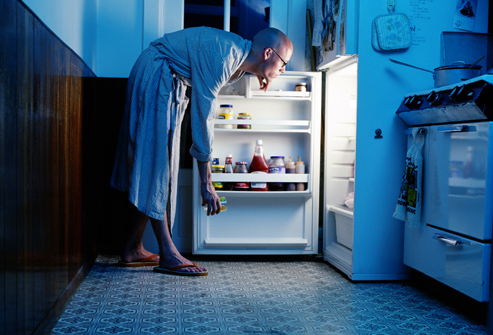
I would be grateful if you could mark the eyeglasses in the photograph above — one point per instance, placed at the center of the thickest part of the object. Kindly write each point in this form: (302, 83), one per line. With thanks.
(282, 60)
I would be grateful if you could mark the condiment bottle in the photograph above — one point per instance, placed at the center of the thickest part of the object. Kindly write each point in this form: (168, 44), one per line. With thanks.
(228, 168)
(300, 169)
(276, 165)
(290, 168)
(241, 167)
(259, 165)
(217, 169)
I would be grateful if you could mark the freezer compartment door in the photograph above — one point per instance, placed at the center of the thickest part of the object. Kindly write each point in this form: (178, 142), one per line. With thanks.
(458, 177)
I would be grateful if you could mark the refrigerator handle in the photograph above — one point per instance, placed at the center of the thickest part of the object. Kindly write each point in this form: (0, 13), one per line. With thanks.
(447, 240)
(453, 129)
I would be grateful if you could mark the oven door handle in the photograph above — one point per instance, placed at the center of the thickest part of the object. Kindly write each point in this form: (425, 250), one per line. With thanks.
(457, 129)
(447, 240)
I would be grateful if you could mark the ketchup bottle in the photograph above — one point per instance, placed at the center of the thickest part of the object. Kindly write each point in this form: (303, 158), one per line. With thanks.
(259, 165)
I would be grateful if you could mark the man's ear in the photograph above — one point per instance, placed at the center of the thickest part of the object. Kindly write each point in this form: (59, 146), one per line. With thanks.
(267, 53)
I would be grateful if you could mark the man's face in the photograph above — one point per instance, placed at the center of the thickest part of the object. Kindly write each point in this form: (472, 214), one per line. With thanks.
(275, 62)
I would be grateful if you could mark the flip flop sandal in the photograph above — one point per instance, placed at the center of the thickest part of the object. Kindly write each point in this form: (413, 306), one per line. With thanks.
(174, 270)
(143, 262)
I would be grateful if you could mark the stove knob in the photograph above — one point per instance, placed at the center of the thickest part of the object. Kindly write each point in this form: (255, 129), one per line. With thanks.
(434, 98)
(454, 92)
(413, 102)
(406, 101)
(464, 94)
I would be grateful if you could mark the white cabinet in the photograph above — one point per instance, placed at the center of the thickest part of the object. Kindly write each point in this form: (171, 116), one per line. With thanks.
(274, 222)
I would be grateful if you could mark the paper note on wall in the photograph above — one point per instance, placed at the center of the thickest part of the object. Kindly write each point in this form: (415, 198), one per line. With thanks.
(465, 14)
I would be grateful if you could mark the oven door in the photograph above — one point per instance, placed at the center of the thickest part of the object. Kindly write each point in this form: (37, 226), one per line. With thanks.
(458, 262)
(459, 179)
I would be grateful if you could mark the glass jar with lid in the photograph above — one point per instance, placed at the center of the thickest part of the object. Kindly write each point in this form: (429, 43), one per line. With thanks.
(241, 167)
(244, 116)
(225, 113)
(276, 165)
(217, 169)
(300, 87)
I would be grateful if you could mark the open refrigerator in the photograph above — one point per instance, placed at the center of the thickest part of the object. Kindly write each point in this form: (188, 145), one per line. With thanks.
(273, 222)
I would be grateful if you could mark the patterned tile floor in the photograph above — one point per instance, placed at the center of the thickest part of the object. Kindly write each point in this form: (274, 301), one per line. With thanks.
(252, 297)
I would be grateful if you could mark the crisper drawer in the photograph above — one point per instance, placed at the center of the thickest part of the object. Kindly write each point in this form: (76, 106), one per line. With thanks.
(458, 262)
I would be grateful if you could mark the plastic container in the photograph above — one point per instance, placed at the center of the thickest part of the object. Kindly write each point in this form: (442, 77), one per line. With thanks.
(225, 113)
(276, 166)
(241, 167)
(228, 168)
(244, 116)
(300, 169)
(259, 165)
(290, 168)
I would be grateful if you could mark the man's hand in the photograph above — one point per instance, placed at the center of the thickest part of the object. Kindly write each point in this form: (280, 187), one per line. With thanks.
(209, 195)
(264, 84)
(210, 199)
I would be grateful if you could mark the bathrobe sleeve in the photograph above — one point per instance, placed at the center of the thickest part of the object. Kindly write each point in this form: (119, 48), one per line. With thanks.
(211, 69)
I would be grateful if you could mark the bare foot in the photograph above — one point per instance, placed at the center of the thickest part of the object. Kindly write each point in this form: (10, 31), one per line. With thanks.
(173, 260)
(137, 255)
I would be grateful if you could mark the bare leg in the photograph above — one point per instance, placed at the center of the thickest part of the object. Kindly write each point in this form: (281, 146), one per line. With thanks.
(134, 249)
(169, 255)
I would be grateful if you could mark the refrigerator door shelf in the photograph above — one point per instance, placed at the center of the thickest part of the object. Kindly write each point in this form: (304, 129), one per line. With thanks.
(281, 94)
(266, 125)
(260, 177)
(269, 194)
(256, 243)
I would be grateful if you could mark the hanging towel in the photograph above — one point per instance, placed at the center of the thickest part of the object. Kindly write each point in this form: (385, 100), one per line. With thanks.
(408, 206)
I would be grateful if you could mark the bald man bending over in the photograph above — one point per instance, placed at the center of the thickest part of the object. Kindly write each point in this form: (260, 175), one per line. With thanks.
(146, 164)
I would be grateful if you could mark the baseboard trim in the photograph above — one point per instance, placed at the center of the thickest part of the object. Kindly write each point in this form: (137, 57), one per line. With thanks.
(48, 323)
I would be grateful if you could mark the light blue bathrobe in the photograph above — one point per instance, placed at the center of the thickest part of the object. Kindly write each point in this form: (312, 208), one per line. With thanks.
(147, 159)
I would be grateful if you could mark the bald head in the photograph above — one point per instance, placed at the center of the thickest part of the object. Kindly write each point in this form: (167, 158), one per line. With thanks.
(271, 38)
(271, 51)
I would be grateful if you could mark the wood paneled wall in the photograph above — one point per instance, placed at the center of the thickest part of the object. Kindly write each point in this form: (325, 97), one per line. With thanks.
(45, 242)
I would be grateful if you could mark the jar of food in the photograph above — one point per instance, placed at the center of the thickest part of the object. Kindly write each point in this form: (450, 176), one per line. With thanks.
(244, 116)
(290, 168)
(300, 87)
(225, 113)
(217, 169)
(241, 167)
(228, 168)
(276, 165)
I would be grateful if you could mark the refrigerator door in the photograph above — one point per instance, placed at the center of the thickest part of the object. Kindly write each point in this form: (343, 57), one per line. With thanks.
(459, 179)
